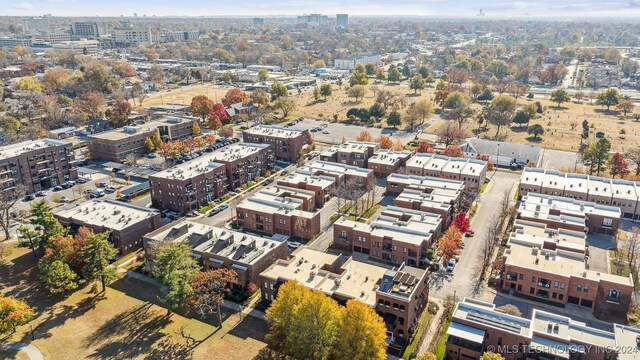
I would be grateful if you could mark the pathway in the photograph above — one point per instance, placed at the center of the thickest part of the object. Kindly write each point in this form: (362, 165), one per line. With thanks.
(32, 352)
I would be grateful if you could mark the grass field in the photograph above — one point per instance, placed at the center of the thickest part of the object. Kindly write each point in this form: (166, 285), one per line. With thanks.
(126, 322)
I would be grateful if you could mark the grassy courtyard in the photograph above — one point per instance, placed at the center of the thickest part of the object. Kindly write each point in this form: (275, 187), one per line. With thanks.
(126, 322)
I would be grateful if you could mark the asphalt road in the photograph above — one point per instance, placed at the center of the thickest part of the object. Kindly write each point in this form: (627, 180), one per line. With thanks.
(463, 280)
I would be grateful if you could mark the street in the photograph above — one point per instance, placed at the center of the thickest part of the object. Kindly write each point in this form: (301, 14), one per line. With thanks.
(463, 280)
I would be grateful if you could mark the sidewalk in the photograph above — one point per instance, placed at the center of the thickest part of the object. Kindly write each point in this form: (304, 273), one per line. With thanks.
(431, 332)
(32, 352)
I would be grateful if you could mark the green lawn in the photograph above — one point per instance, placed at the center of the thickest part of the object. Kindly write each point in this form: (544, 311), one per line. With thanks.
(126, 321)
(422, 324)
(441, 345)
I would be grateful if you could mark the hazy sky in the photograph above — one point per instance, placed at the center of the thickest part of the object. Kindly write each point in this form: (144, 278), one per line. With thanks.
(444, 8)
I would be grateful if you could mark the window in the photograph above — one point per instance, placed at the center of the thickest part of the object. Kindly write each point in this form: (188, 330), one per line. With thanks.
(607, 222)
(555, 284)
(561, 285)
(533, 279)
(560, 296)
(579, 287)
(614, 295)
(532, 290)
(266, 285)
(343, 234)
(519, 287)
(586, 289)
(520, 276)
(554, 295)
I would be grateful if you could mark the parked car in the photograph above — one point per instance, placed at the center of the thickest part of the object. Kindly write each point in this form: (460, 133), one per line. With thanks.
(125, 198)
(294, 244)
(29, 197)
(97, 192)
(83, 180)
(58, 188)
(103, 184)
(326, 132)
(66, 185)
(41, 193)
(451, 265)
(223, 207)
(109, 190)
(64, 199)
(469, 233)
(152, 155)
(213, 212)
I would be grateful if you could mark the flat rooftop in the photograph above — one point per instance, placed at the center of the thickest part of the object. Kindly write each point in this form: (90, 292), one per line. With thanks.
(565, 210)
(147, 127)
(485, 314)
(274, 131)
(13, 150)
(388, 157)
(433, 200)
(533, 246)
(336, 168)
(424, 182)
(306, 178)
(107, 213)
(269, 201)
(351, 146)
(435, 162)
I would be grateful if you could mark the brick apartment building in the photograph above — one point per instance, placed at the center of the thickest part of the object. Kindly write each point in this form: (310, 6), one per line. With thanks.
(478, 327)
(195, 183)
(287, 143)
(274, 212)
(354, 153)
(340, 172)
(216, 248)
(115, 145)
(558, 212)
(37, 164)
(322, 186)
(396, 236)
(397, 183)
(552, 266)
(623, 194)
(470, 171)
(398, 295)
(128, 223)
(385, 162)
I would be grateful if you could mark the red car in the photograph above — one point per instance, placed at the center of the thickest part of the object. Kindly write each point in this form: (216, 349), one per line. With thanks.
(469, 233)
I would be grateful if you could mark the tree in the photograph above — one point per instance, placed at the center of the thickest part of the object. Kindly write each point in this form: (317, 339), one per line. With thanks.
(13, 313)
(461, 222)
(417, 83)
(560, 96)
(316, 93)
(585, 131)
(552, 74)
(97, 77)
(449, 243)
(156, 75)
(499, 69)
(357, 91)
(380, 75)
(98, 253)
(123, 69)
(291, 295)
(234, 96)
(535, 130)
(8, 199)
(597, 155)
(608, 98)
(30, 84)
(176, 268)
(500, 111)
(195, 129)
(634, 156)
(449, 134)
(491, 356)
(278, 90)
(394, 119)
(521, 118)
(453, 151)
(362, 335)
(90, 103)
(28, 238)
(394, 75)
(259, 98)
(406, 71)
(486, 95)
(57, 276)
(510, 309)
(377, 111)
(208, 292)
(424, 147)
(626, 106)
(120, 113)
(219, 112)
(359, 77)
(618, 165)
(263, 75)
(45, 225)
(285, 105)
(459, 107)
(226, 131)
(54, 79)
(325, 90)
(364, 136)
(384, 141)
(201, 106)
(148, 145)
(427, 356)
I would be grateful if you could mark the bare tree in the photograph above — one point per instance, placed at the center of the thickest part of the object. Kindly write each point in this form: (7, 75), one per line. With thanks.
(630, 248)
(489, 245)
(510, 309)
(8, 199)
(505, 202)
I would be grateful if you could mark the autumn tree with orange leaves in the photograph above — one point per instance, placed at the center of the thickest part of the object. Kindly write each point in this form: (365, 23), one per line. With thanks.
(453, 151)
(209, 289)
(234, 96)
(385, 142)
(449, 244)
(364, 136)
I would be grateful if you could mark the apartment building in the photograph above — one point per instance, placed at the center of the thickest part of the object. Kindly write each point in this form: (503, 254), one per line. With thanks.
(354, 153)
(127, 223)
(273, 212)
(399, 295)
(287, 143)
(85, 30)
(37, 164)
(132, 36)
(322, 186)
(216, 248)
(552, 266)
(341, 173)
(190, 185)
(350, 63)
(386, 162)
(471, 171)
(478, 327)
(558, 212)
(604, 191)
(397, 183)
(115, 145)
(396, 236)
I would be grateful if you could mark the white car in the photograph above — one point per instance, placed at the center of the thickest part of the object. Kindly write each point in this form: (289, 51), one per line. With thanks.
(451, 265)
(64, 199)
(294, 244)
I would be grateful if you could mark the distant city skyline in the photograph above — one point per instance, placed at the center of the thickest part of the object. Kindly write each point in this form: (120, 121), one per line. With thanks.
(437, 8)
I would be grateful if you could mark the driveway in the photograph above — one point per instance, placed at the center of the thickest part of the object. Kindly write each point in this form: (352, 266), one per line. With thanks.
(556, 159)
(463, 280)
(598, 253)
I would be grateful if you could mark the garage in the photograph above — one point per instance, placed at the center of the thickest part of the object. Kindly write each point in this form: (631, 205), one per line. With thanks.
(586, 303)
(574, 300)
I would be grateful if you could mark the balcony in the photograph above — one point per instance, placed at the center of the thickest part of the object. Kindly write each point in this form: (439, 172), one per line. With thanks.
(544, 283)
(387, 248)
(512, 277)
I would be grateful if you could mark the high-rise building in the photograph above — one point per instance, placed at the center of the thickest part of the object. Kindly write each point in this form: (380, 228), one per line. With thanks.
(317, 19)
(36, 24)
(87, 30)
(132, 36)
(342, 20)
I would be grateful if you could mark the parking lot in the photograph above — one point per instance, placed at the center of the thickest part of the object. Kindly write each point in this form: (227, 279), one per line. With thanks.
(336, 131)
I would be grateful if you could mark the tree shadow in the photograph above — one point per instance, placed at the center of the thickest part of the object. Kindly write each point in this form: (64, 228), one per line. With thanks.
(269, 354)
(250, 327)
(534, 139)
(438, 278)
(560, 108)
(518, 129)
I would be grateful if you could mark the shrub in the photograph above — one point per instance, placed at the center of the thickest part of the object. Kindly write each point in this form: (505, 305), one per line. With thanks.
(433, 307)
